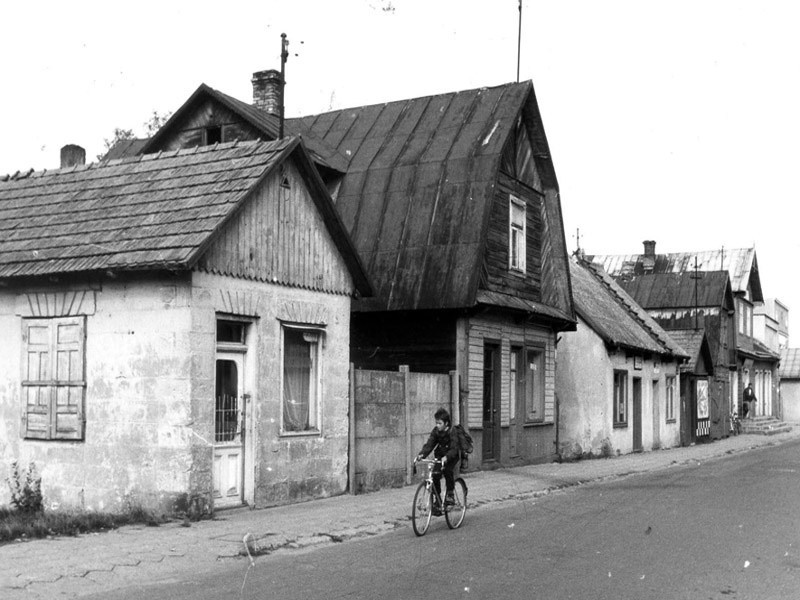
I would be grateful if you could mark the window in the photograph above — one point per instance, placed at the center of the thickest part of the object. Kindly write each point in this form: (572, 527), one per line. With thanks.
(745, 318)
(231, 332)
(516, 235)
(534, 386)
(53, 384)
(670, 406)
(301, 383)
(620, 398)
(213, 135)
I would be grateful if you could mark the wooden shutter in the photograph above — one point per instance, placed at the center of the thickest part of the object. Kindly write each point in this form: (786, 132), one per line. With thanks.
(53, 378)
(36, 391)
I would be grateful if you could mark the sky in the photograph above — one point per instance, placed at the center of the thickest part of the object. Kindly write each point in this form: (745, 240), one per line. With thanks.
(675, 121)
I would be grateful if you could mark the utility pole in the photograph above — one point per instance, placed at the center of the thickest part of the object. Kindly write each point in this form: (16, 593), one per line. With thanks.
(284, 57)
(696, 276)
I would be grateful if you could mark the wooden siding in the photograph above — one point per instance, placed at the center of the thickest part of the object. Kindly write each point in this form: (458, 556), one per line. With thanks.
(506, 333)
(191, 133)
(498, 276)
(280, 238)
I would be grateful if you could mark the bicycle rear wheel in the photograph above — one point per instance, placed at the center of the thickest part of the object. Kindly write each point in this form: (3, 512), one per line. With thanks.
(454, 515)
(421, 510)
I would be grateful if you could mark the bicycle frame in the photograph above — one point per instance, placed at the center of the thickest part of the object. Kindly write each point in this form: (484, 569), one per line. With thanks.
(427, 500)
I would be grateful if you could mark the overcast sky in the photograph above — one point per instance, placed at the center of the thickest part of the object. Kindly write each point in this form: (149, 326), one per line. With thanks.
(675, 120)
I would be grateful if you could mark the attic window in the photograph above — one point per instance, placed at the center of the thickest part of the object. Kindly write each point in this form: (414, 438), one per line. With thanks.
(516, 234)
(213, 135)
(285, 179)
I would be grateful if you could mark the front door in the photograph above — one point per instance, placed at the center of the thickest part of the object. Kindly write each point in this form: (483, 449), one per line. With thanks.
(491, 402)
(637, 414)
(229, 419)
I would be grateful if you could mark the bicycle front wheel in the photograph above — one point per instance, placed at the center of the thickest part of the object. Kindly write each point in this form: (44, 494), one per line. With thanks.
(422, 509)
(454, 515)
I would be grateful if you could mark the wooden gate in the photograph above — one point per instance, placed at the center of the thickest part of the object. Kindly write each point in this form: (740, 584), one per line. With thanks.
(391, 416)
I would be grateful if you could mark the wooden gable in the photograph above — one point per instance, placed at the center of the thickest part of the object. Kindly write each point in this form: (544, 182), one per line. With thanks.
(210, 122)
(280, 236)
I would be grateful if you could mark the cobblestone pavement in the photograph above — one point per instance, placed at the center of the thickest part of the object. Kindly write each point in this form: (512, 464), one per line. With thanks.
(69, 567)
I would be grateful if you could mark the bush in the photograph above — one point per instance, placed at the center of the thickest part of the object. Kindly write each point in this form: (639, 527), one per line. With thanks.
(26, 492)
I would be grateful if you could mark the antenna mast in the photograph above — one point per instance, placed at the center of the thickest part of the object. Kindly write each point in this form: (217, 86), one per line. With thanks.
(519, 38)
(284, 57)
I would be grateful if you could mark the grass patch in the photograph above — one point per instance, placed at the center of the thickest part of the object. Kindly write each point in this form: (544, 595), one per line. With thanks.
(16, 525)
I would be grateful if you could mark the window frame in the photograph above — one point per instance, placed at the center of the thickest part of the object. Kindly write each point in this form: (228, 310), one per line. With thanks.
(60, 396)
(620, 404)
(669, 398)
(314, 427)
(534, 384)
(517, 235)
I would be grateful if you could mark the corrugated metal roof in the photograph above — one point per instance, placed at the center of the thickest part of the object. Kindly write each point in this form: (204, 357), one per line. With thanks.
(155, 211)
(418, 188)
(790, 363)
(679, 290)
(613, 314)
(741, 264)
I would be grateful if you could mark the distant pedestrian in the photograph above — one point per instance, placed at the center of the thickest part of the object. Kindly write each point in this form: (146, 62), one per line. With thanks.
(748, 402)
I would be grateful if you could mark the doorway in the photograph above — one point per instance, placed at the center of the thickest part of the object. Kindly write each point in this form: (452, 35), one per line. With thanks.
(229, 421)
(637, 414)
(491, 402)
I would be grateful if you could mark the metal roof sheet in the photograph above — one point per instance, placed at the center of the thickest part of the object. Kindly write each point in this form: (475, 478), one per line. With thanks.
(419, 183)
(741, 264)
(679, 290)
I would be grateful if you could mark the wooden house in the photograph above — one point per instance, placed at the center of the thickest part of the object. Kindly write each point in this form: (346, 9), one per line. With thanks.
(176, 329)
(618, 374)
(453, 205)
(754, 362)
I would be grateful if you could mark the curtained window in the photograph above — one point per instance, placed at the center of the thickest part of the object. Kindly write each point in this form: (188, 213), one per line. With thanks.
(300, 380)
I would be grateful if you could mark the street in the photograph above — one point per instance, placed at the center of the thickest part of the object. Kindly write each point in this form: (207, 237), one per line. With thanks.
(724, 528)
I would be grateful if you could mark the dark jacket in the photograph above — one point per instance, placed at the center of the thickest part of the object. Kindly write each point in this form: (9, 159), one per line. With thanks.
(442, 443)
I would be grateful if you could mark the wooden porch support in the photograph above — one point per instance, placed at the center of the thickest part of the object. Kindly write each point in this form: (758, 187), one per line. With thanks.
(407, 406)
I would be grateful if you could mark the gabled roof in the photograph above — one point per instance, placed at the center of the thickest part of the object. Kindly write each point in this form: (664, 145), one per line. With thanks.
(679, 290)
(790, 363)
(157, 211)
(741, 264)
(614, 316)
(419, 187)
(262, 121)
(695, 342)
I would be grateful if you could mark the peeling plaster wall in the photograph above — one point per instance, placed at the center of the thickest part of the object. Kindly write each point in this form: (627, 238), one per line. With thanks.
(150, 373)
(136, 449)
(282, 468)
(585, 385)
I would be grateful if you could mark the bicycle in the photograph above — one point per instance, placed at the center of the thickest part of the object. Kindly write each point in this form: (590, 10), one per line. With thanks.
(735, 424)
(427, 501)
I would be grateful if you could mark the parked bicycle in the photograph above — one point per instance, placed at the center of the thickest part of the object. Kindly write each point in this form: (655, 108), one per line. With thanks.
(736, 424)
(428, 501)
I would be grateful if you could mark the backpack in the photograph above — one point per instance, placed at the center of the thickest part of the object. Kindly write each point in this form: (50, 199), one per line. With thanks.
(464, 445)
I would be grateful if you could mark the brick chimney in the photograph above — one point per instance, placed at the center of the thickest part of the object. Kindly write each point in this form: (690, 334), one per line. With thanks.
(267, 91)
(72, 155)
(649, 258)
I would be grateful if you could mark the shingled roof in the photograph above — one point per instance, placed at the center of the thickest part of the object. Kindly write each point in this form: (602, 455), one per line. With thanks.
(790, 363)
(156, 211)
(741, 264)
(695, 342)
(614, 315)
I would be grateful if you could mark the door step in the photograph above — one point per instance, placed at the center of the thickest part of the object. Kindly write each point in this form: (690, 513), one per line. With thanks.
(764, 426)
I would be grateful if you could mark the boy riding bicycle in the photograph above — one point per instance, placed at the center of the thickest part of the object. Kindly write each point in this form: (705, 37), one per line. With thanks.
(443, 441)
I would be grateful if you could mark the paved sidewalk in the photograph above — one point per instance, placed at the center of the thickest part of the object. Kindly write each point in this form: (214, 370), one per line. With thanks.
(69, 567)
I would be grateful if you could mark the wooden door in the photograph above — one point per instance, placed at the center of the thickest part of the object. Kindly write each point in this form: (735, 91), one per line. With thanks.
(228, 431)
(655, 400)
(491, 401)
(637, 414)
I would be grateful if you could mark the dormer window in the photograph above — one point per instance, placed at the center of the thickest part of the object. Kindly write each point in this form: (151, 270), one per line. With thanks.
(516, 234)
(213, 135)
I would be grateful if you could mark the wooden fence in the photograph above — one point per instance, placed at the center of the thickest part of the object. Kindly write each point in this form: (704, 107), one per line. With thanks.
(391, 416)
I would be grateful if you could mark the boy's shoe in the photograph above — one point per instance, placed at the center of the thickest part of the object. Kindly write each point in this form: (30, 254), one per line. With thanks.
(449, 500)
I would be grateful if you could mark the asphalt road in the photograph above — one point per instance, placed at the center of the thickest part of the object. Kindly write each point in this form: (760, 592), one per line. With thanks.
(727, 528)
